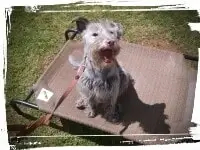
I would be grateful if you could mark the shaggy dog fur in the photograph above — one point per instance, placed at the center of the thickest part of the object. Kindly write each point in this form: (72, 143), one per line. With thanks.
(103, 80)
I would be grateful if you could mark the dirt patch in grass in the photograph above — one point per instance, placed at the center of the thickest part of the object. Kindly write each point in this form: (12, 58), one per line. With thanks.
(47, 61)
(161, 44)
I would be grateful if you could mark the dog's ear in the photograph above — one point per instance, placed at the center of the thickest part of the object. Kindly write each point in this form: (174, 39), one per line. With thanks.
(81, 23)
(119, 29)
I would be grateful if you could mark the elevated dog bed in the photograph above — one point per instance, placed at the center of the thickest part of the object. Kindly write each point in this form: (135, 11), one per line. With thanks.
(157, 106)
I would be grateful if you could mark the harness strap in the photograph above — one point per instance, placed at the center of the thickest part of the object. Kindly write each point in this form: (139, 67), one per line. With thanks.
(45, 119)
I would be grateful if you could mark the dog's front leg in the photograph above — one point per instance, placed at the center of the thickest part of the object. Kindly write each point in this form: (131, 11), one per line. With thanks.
(112, 113)
(82, 102)
(90, 109)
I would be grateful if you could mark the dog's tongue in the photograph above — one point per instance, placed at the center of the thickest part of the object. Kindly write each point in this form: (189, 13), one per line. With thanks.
(106, 60)
(107, 56)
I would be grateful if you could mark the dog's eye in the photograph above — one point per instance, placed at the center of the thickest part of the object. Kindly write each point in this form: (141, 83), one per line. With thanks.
(94, 34)
(111, 32)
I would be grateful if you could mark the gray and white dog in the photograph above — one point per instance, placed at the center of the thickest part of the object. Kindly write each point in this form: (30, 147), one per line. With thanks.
(103, 80)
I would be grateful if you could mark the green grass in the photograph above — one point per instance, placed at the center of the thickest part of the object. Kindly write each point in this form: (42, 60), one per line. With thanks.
(88, 7)
(36, 38)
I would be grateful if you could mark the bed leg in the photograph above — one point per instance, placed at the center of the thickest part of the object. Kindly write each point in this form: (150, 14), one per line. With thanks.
(14, 104)
(193, 58)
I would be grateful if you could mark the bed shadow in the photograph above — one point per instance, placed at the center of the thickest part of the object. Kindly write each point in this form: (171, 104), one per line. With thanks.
(150, 117)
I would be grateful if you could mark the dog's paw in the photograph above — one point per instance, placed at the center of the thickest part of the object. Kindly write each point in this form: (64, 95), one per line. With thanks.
(80, 103)
(113, 116)
(90, 113)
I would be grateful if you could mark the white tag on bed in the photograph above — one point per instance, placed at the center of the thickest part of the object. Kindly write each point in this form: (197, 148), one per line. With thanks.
(45, 95)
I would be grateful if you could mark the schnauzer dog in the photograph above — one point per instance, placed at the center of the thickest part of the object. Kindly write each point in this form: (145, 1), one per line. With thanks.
(103, 79)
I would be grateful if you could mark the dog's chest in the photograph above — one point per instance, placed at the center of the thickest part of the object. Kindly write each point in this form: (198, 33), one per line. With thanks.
(104, 90)
(103, 84)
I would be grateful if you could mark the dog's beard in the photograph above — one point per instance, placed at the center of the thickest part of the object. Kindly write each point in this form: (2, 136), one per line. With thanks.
(104, 58)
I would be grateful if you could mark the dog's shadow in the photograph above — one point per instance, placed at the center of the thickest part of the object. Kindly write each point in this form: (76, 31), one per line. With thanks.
(150, 117)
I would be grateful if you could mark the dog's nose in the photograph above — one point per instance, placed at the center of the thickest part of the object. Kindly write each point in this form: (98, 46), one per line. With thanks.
(111, 43)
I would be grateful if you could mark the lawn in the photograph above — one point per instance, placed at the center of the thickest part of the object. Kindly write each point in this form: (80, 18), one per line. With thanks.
(36, 38)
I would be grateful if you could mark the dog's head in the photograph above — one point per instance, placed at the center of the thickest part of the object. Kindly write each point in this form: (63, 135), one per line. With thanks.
(101, 41)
